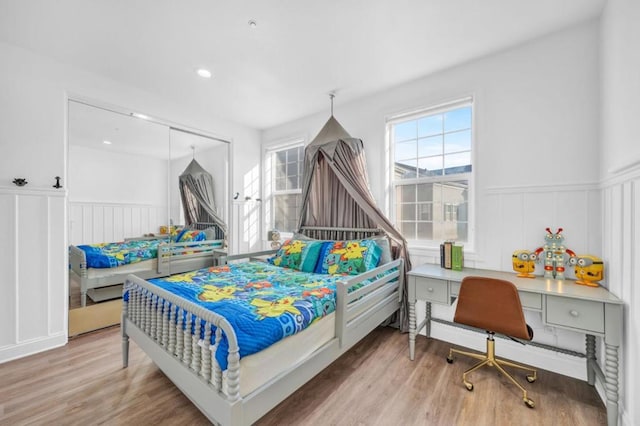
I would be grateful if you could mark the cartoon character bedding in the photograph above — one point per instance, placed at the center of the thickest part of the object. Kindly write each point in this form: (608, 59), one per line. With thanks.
(112, 255)
(265, 303)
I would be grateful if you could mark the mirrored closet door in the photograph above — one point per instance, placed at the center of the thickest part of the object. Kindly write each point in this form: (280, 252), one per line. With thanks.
(125, 205)
(118, 169)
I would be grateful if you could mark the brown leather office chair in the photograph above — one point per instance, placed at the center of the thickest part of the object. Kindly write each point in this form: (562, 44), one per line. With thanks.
(492, 305)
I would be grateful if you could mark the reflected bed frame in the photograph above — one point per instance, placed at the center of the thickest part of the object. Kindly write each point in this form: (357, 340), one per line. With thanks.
(188, 361)
(173, 258)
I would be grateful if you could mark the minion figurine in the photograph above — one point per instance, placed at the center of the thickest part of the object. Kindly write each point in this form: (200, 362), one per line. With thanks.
(588, 269)
(524, 263)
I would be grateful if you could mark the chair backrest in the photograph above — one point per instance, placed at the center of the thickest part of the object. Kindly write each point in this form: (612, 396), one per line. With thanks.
(492, 305)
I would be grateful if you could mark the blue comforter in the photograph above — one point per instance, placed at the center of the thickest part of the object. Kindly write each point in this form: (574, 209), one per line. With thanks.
(263, 303)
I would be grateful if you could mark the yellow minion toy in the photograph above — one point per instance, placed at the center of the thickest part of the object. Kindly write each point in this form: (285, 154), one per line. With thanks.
(524, 263)
(588, 269)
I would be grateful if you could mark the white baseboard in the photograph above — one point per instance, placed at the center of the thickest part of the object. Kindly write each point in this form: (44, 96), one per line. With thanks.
(20, 350)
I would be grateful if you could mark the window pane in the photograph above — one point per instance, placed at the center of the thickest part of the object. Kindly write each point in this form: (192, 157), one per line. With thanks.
(425, 192)
(455, 192)
(405, 169)
(292, 169)
(404, 131)
(457, 141)
(408, 212)
(430, 166)
(281, 157)
(292, 182)
(428, 126)
(430, 146)
(407, 193)
(425, 231)
(406, 150)
(457, 119)
(463, 212)
(425, 211)
(408, 230)
(281, 184)
(457, 163)
(286, 210)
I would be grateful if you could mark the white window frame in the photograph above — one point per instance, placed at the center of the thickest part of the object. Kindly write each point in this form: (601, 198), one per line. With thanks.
(269, 191)
(430, 246)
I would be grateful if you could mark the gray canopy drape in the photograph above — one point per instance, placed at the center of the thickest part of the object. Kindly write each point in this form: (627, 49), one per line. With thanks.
(335, 193)
(196, 191)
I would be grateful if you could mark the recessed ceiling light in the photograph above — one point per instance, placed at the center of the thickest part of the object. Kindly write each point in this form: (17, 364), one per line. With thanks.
(253, 23)
(204, 73)
(106, 142)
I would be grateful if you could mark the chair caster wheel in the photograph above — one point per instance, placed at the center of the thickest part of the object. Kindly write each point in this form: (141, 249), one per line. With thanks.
(469, 386)
(450, 359)
(531, 378)
(529, 402)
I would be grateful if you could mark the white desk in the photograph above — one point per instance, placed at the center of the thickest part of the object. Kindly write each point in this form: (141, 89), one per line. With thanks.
(562, 303)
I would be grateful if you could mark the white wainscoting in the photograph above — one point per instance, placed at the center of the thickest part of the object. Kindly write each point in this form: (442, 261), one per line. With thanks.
(94, 222)
(33, 258)
(621, 250)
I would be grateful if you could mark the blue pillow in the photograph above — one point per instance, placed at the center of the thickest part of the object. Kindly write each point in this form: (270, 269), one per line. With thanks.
(186, 235)
(301, 255)
(348, 257)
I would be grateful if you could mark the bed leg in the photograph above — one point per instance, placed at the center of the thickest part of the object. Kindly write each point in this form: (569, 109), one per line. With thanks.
(125, 349)
(83, 299)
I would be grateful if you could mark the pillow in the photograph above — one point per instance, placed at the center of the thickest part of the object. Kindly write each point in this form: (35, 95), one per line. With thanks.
(297, 254)
(210, 233)
(187, 235)
(385, 245)
(348, 257)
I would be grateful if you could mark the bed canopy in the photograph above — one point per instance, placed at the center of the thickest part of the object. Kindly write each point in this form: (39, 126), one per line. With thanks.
(335, 193)
(196, 191)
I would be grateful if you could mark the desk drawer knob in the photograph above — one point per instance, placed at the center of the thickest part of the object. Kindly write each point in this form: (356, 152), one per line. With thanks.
(430, 289)
(574, 313)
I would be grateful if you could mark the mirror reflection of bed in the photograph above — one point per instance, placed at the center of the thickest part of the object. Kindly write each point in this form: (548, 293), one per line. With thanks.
(127, 191)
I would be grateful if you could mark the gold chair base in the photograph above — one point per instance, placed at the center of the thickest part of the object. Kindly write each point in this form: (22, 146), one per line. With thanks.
(490, 359)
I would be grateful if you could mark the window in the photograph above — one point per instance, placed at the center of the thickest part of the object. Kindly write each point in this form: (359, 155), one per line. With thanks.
(284, 168)
(431, 158)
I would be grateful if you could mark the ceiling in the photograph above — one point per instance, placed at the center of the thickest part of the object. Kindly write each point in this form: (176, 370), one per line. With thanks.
(299, 51)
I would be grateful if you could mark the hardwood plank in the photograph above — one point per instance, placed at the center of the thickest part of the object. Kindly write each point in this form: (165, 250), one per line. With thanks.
(374, 383)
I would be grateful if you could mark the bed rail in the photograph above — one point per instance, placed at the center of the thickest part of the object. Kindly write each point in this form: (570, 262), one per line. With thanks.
(164, 317)
(78, 261)
(328, 233)
(168, 252)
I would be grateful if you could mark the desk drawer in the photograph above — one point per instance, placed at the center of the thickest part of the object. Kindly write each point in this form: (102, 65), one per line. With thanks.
(583, 315)
(431, 290)
(531, 300)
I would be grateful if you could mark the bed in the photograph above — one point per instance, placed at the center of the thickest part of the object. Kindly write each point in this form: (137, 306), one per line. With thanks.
(102, 268)
(205, 352)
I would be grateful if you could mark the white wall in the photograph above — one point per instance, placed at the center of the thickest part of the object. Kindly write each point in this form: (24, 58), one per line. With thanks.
(97, 175)
(620, 153)
(536, 157)
(33, 97)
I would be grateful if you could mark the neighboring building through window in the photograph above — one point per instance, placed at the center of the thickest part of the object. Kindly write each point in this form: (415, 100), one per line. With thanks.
(432, 162)
(284, 168)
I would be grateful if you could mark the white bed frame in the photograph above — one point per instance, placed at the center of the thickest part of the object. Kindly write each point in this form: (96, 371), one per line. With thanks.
(173, 258)
(189, 362)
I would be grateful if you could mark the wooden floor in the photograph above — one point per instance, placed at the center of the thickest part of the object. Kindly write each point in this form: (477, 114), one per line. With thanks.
(375, 383)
